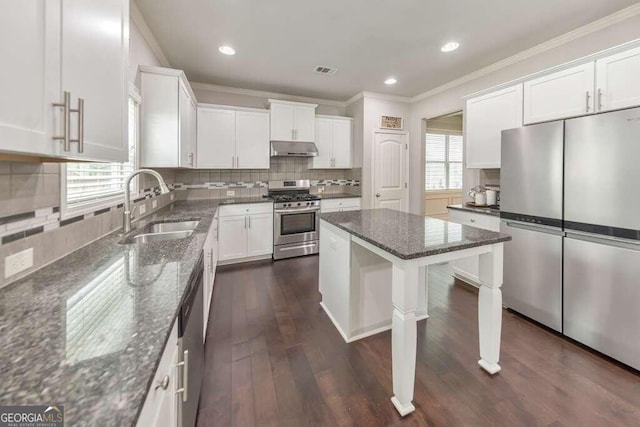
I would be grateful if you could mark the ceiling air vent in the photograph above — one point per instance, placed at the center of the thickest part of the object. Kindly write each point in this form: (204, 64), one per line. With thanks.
(321, 69)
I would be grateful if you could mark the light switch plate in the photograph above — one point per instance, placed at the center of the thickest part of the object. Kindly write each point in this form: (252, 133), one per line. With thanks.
(142, 209)
(231, 193)
(14, 264)
(154, 204)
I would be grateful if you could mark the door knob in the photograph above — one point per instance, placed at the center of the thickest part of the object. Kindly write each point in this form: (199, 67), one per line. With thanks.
(377, 194)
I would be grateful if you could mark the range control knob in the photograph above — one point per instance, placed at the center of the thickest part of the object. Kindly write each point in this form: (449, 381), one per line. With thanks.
(299, 203)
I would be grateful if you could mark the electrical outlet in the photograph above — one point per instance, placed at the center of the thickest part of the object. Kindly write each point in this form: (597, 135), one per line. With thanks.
(320, 189)
(142, 209)
(154, 204)
(231, 193)
(14, 264)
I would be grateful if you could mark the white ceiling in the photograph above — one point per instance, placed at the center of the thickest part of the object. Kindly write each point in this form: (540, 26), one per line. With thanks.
(279, 42)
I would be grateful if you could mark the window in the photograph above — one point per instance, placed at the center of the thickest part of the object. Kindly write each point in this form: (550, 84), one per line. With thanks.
(443, 161)
(87, 185)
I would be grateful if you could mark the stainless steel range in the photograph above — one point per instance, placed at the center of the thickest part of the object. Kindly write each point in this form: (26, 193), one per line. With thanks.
(296, 222)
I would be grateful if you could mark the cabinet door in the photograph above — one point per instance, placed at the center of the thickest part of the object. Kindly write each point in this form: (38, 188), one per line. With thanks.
(252, 140)
(342, 144)
(617, 81)
(187, 152)
(304, 125)
(216, 138)
(324, 141)
(32, 81)
(567, 93)
(485, 119)
(260, 235)
(95, 55)
(232, 242)
(282, 122)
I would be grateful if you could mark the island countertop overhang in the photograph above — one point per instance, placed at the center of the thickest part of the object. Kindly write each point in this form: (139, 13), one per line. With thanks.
(409, 236)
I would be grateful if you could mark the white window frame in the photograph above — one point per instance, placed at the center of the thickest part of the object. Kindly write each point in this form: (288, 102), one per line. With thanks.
(85, 208)
(446, 162)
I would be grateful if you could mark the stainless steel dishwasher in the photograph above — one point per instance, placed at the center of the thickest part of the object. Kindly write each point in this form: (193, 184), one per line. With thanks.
(191, 348)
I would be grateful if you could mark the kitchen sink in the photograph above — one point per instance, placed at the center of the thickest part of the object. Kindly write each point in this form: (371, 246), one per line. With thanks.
(159, 231)
(164, 227)
(160, 236)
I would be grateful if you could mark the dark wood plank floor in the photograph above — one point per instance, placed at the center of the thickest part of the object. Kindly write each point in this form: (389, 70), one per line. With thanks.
(273, 357)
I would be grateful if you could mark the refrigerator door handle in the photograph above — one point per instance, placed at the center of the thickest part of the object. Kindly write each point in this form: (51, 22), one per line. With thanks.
(605, 240)
(535, 227)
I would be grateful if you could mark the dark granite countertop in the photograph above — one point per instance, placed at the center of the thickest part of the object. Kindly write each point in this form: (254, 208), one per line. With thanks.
(410, 236)
(338, 196)
(484, 211)
(88, 330)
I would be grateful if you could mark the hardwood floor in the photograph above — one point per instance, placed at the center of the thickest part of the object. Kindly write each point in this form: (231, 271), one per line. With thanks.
(273, 357)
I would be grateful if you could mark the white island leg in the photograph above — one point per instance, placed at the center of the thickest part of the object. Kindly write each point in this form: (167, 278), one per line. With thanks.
(404, 335)
(490, 308)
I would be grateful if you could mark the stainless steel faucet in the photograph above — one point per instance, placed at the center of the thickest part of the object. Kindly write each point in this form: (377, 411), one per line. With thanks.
(127, 214)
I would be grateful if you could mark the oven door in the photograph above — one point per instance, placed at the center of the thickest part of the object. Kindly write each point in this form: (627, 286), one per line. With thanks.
(296, 226)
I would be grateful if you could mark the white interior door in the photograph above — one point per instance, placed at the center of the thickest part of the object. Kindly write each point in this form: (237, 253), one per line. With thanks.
(390, 170)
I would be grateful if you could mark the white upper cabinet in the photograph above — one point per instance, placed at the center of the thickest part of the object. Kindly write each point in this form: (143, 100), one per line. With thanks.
(168, 119)
(232, 138)
(566, 93)
(333, 139)
(617, 84)
(252, 140)
(486, 117)
(216, 138)
(56, 51)
(292, 121)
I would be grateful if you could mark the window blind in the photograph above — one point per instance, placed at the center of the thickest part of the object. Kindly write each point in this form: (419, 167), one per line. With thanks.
(91, 182)
(443, 161)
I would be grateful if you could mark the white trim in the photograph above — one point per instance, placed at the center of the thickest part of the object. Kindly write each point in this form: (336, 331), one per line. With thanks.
(231, 108)
(325, 116)
(375, 95)
(585, 30)
(134, 93)
(293, 103)
(262, 94)
(147, 34)
(172, 72)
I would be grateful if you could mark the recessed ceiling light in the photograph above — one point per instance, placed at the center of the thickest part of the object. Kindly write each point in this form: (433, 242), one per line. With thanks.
(450, 47)
(227, 50)
(391, 81)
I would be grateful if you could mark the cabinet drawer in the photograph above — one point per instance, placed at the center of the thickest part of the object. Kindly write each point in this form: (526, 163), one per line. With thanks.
(333, 204)
(245, 209)
(487, 222)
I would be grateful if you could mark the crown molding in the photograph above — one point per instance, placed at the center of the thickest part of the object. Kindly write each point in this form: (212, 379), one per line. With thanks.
(375, 95)
(138, 19)
(585, 30)
(262, 94)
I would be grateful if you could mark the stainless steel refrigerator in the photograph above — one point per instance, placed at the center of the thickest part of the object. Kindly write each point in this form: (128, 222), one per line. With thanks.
(580, 276)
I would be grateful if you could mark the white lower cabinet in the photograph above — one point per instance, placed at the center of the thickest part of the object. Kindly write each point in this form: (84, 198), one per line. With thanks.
(340, 205)
(466, 269)
(160, 406)
(245, 232)
(210, 253)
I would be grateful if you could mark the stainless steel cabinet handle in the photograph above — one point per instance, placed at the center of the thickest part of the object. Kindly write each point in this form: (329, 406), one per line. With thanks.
(237, 161)
(249, 222)
(472, 220)
(66, 101)
(163, 383)
(191, 159)
(377, 194)
(80, 139)
(211, 260)
(293, 134)
(245, 222)
(587, 100)
(599, 99)
(185, 377)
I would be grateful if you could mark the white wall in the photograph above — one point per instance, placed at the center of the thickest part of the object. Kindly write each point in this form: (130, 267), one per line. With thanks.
(451, 100)
(139, 54)
(373, 108)
(241, 100)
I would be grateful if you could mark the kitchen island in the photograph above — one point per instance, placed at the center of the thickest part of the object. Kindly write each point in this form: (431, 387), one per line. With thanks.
(373, 278)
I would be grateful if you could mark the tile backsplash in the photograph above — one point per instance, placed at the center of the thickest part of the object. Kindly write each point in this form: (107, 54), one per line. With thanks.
(26, 187)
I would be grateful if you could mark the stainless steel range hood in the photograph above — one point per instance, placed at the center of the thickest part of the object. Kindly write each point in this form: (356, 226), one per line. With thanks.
(293, 149)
